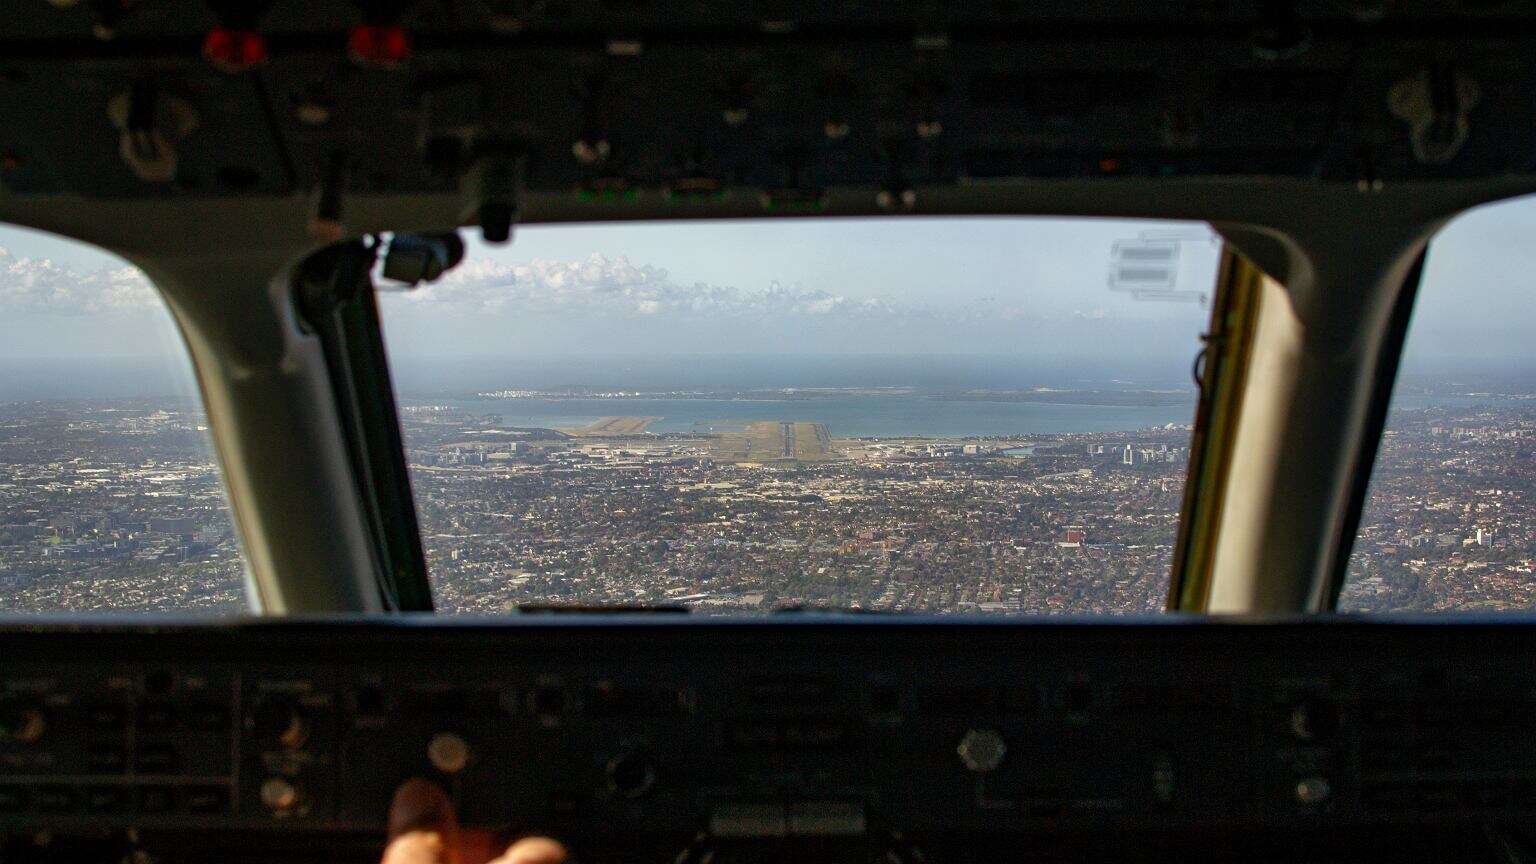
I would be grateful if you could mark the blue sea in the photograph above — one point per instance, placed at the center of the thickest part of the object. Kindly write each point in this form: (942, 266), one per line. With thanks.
(452, 379)
(846, 415)
(850, 416)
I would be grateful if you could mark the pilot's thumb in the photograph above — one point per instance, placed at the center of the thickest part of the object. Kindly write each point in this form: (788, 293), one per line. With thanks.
(422, 826)
(424, 829)
(533, 850)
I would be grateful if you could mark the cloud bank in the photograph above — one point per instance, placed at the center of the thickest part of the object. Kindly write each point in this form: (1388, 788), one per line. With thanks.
(613, 305)
(42, 286)
(602, 287)
(594, 287)
(599, 285)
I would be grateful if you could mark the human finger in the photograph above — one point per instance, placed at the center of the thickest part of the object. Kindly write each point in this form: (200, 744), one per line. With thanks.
(534, 850)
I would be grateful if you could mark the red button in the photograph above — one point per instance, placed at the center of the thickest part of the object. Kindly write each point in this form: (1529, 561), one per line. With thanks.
(234, 50)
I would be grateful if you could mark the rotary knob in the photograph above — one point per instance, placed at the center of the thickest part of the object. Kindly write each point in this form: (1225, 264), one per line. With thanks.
(630, 775)
(23, 724)
(981, 750)
(279, 795)
(448, 752)
(1313, 720)
(282, 721)
(1312, 791)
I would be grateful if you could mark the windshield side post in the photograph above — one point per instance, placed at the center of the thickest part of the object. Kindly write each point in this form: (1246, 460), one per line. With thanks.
(273, 419)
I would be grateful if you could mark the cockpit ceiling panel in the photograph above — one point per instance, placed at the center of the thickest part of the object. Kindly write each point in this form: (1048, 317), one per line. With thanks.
(605, 97)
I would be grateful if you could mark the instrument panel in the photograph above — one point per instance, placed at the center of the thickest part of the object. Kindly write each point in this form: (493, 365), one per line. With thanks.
(632, 101)
(632, 734)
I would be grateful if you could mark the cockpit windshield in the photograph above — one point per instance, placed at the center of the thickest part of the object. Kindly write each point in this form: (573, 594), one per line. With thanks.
(970, 416)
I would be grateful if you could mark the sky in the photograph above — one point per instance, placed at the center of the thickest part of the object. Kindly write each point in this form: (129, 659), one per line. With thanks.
(804, 287)
(989, 286)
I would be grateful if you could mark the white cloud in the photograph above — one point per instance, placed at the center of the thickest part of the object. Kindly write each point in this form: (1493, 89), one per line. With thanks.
(42, 286)
(616, 287)
(592, 288)
(615, 305)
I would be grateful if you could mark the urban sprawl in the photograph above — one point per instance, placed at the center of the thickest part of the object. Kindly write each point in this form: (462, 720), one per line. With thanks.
(117, 506)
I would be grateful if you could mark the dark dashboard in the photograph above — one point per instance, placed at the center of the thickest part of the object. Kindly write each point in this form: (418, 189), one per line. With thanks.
(768, 108)
(849, 738)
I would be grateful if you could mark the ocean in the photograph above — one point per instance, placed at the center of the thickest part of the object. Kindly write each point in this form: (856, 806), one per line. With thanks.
(453, 380)
(846, 416)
